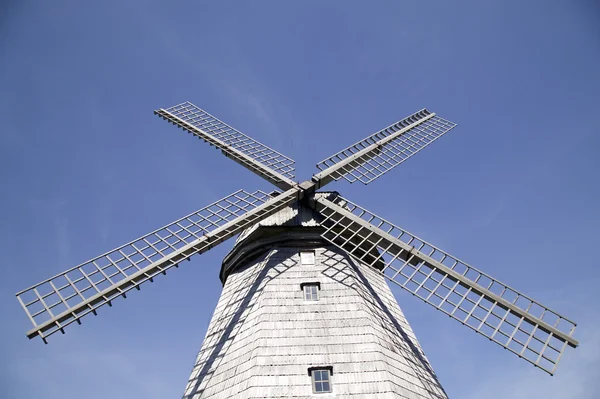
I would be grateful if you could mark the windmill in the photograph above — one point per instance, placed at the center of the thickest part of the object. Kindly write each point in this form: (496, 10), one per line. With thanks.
(305, 307)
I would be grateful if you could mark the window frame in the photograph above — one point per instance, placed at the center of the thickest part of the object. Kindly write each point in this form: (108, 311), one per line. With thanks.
(317, 292)
(320, 369)
(314, 258)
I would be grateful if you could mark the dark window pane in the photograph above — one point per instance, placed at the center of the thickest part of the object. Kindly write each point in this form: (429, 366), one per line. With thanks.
(318, 386)
(325, 387)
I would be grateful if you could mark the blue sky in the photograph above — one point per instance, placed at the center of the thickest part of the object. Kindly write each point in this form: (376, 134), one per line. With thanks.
(85, 166)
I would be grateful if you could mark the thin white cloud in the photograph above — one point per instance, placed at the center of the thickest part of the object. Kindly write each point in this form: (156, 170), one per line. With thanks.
(112, 368)
(63, 243)
(260, 107)
(577, 378)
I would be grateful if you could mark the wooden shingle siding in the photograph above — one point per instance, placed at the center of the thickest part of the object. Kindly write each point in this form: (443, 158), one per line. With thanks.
(293, 215)
(263, 336)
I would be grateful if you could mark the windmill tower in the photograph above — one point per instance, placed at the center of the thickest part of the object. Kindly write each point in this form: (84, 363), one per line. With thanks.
(305, 308)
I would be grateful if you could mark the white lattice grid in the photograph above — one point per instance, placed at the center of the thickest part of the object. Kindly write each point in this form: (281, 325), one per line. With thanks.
(385, 157)
(46, 300)
(467, 303)
(218, 129)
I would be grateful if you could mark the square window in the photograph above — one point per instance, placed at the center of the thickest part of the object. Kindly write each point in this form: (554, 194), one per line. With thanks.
(307, 257)
(321, 379)
(311, 292)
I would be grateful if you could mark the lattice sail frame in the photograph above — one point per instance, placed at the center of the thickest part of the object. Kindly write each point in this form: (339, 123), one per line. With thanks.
(379, 153)
(53, 304)
(259, 158)
(484, 304)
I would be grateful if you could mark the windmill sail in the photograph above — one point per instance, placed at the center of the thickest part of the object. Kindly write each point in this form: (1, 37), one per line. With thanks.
(255, 156)
(379, 153)
(65, 298)
(491, 308)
